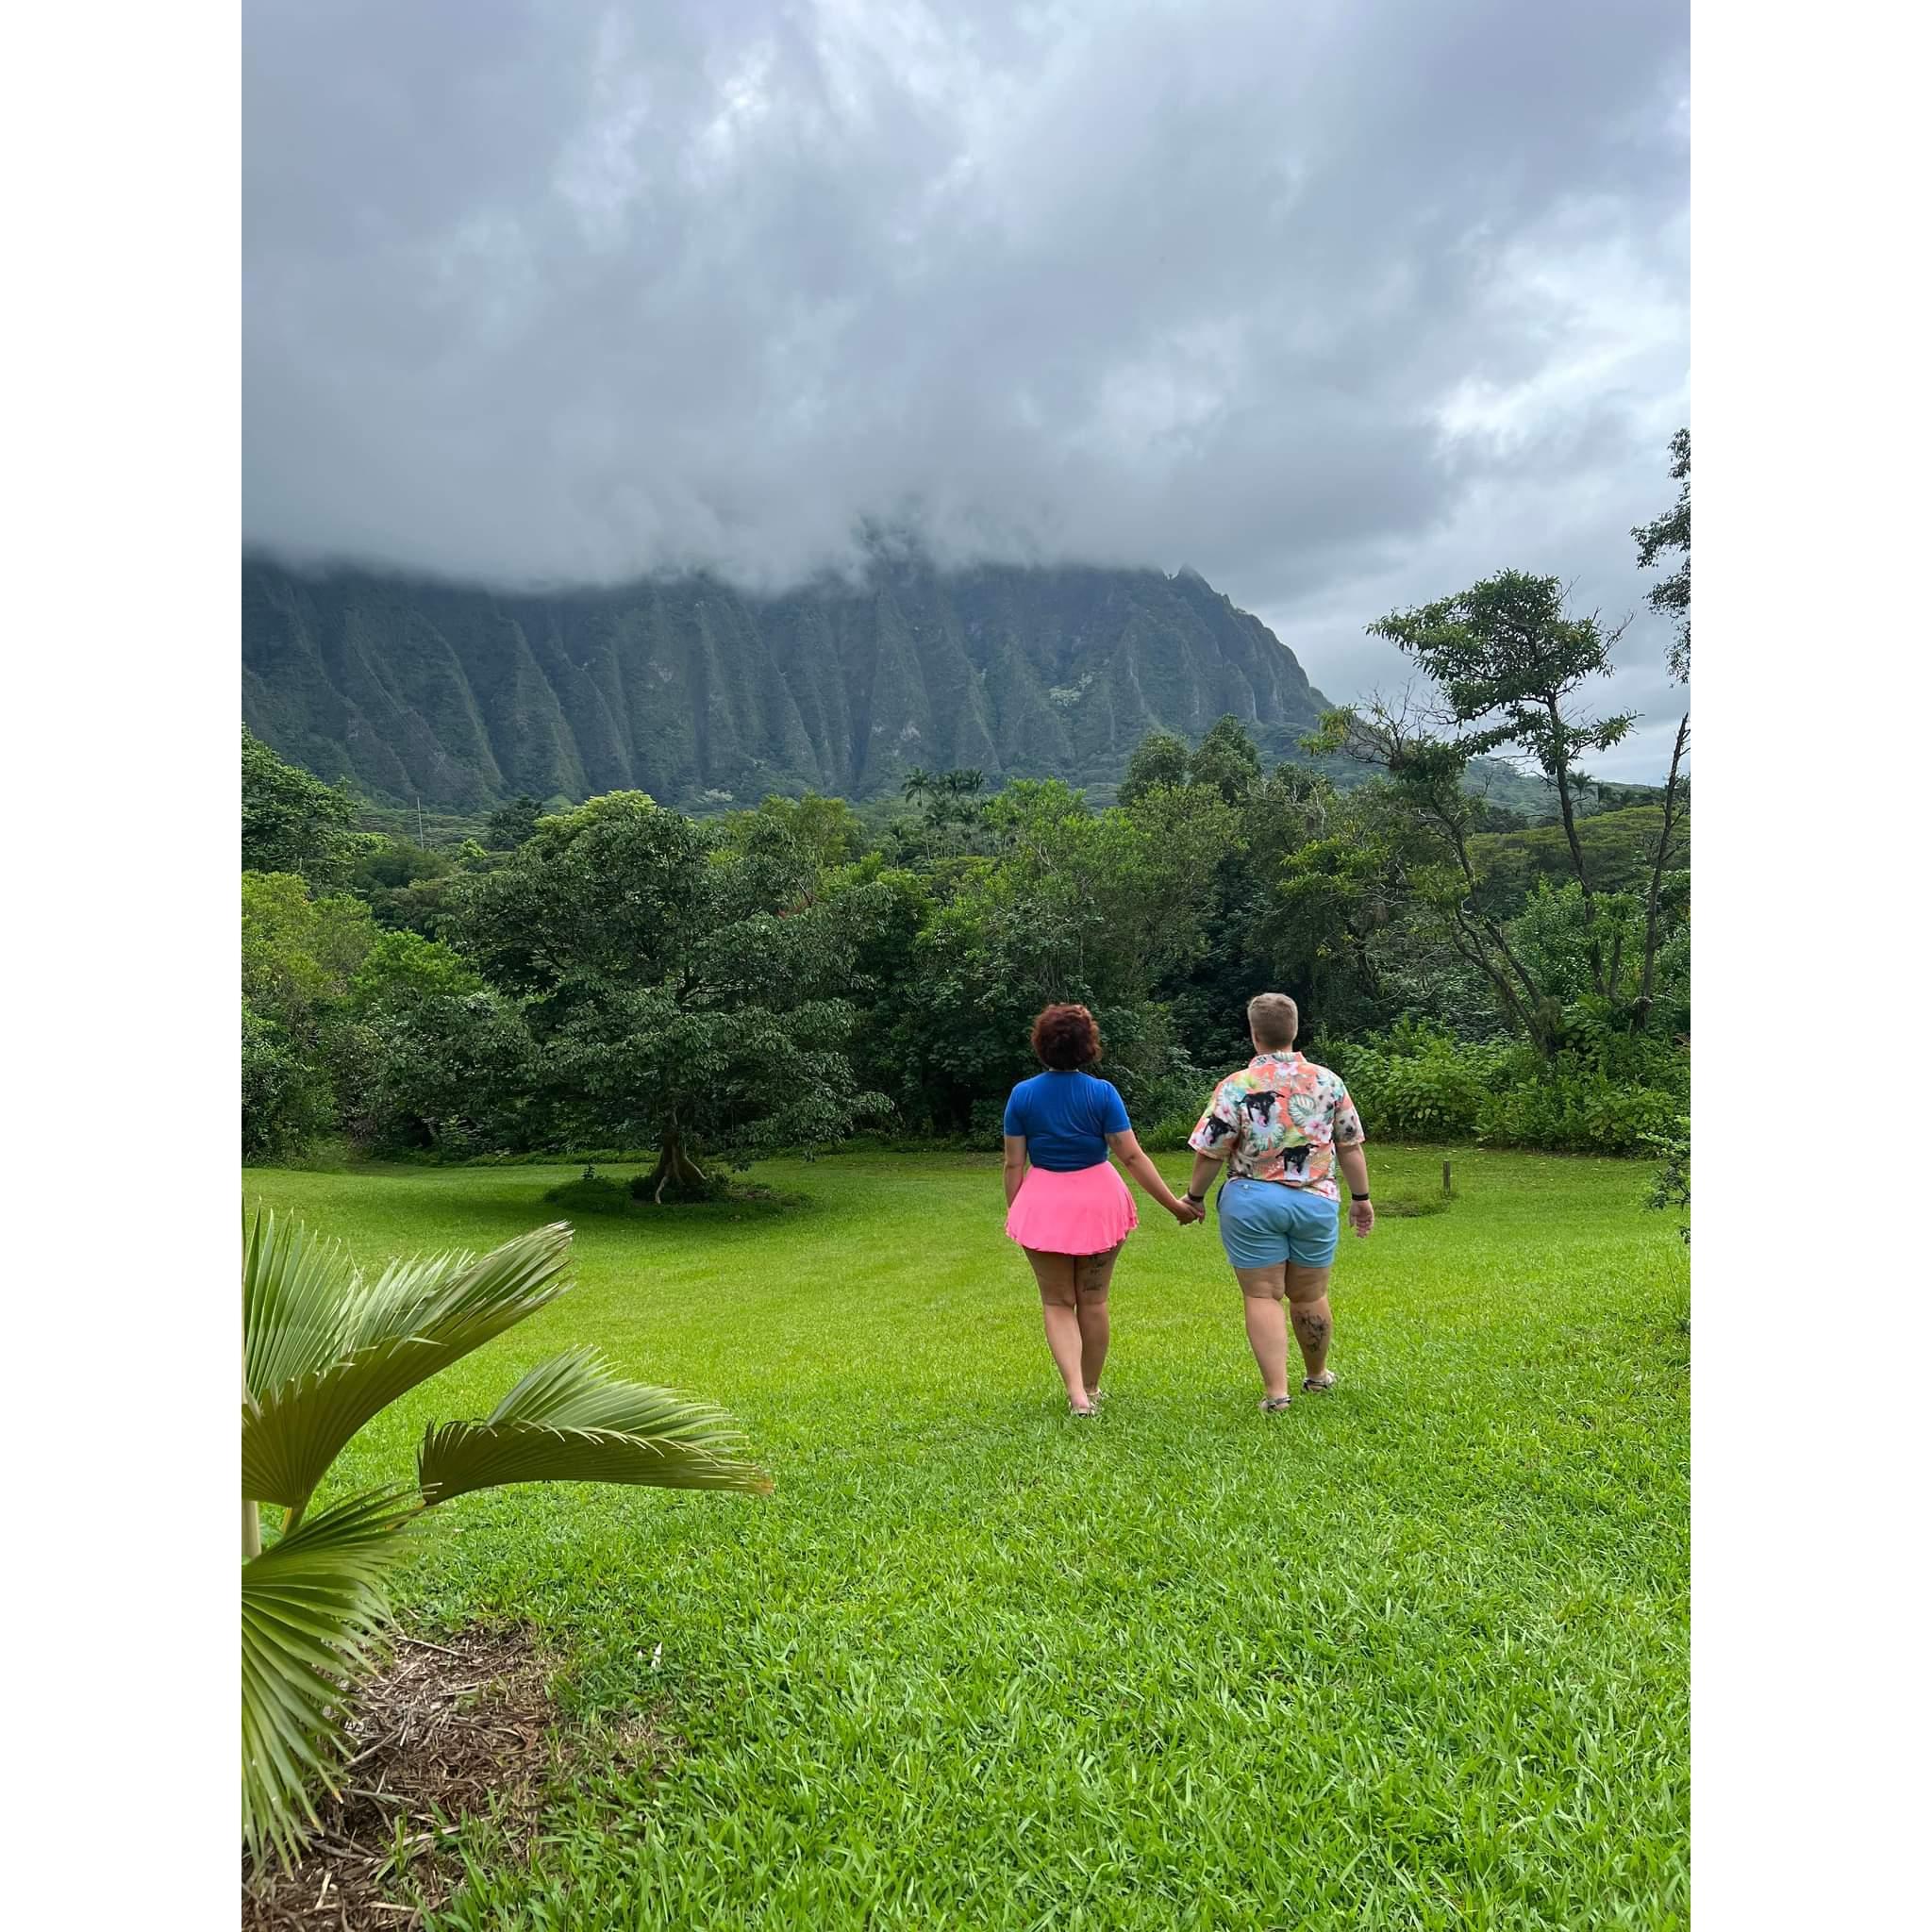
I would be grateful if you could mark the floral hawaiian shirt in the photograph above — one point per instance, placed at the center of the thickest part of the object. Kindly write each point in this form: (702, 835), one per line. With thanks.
(1286, 1116)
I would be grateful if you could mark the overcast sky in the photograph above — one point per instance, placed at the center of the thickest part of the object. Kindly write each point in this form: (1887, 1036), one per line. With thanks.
(1346, 304)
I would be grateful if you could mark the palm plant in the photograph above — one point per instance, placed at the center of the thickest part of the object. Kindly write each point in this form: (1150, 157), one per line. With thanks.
(324, 1349)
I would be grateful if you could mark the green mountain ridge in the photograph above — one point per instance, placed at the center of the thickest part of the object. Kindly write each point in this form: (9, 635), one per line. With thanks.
(454, 698)
(704, 696)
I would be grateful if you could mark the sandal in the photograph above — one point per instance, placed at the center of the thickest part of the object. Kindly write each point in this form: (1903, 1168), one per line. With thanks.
(1319, 1385)
(1274, 1405)
(1088, 1414)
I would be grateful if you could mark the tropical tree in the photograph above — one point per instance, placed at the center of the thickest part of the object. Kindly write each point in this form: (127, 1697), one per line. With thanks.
(1160, 758)
(1506, 660)
(1271, 924)
(686, 985)
(299, 957)
(825, 830)
(1509, 661)
(406, 885)
(510, 824)
(1227, 760)
(299, 952)
(951, 812)
(1670, 598)
(324, 1350)
(1432, 822)
(454, 1071)
(286, 1099)
(947, 794)
(1076, 904)
(292, 822)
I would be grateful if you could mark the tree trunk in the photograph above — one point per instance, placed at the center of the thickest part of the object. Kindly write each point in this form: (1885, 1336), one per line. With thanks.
(1616, 967)
(1562, 761)
(1640, 1015)
(1475, 934)
(1469, 942)
(1560, 758)
(673, 1164)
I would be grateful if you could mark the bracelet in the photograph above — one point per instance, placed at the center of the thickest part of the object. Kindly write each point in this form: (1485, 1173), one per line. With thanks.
(1354, 1196)
(1199, 1200)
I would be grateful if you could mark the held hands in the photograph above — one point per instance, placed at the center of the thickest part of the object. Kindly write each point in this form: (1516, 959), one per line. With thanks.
(1185, 1211)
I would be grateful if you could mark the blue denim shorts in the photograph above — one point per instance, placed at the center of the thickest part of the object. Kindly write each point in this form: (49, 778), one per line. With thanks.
(1266, 1223)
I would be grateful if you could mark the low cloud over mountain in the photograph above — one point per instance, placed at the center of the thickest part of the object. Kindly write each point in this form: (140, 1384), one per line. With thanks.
(1343, 305)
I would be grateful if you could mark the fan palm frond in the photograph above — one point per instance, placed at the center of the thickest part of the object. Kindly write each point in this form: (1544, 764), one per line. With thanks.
(293, 1313)
(571, 1420)
(313, 1610)
(325, 1348)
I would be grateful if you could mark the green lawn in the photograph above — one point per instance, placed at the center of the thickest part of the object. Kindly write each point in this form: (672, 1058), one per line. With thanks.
(1411, 1655)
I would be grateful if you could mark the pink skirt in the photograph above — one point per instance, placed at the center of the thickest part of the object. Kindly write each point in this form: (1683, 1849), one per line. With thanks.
(1085, 1212)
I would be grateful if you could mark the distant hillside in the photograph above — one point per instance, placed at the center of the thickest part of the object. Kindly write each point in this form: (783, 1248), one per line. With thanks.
(702, 696)
(1616, 849)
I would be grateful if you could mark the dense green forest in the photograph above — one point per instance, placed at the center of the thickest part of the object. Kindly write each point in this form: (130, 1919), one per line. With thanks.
(620, 974)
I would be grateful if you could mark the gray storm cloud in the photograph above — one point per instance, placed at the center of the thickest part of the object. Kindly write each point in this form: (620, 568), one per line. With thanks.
(1342, 303)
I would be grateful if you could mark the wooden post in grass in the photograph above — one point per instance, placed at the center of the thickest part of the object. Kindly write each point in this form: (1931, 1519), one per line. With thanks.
(1446, 1188)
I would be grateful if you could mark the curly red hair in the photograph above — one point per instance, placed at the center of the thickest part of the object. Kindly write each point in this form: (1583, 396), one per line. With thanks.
(1066, 1038)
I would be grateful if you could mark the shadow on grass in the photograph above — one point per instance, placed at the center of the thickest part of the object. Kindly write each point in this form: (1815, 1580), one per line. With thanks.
(1410, 1206)
(598, 1195)
(514, 1200)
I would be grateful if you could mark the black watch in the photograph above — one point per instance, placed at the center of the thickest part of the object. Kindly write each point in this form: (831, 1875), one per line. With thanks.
(1354, 1196)
(1199, 1200)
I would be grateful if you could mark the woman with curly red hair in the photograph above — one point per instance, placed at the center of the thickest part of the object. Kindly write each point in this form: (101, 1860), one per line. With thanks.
(1065, 1205)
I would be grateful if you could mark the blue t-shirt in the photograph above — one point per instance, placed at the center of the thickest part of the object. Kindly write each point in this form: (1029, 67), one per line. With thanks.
(1066, 1119)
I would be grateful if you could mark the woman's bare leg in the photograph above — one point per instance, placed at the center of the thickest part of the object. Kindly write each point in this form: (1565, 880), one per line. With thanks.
(1058, 1310)
(1261, 1291)
(1308, 1310)
(1092, 1277)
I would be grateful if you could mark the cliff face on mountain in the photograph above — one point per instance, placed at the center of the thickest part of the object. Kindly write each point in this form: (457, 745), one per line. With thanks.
(702, 695)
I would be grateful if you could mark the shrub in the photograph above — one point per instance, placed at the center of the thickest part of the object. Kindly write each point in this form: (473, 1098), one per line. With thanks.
(1576, 1108)
(285, 1099)
(591, 1193)
(1669, 1184)
(1418, 1083)
(1168, 1134)
(1607, 1091)
(1181, 1088)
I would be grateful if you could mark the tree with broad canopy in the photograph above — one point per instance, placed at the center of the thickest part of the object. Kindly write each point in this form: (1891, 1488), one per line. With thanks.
(685, 985)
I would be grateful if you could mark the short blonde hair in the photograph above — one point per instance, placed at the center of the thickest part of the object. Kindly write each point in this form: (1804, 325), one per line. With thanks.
(1275, 1020)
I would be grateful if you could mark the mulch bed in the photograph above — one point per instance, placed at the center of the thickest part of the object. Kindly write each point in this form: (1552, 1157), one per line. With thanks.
(453, 1729)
